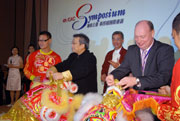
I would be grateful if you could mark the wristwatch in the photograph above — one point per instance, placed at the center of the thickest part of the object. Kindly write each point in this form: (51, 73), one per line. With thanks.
(138, 82)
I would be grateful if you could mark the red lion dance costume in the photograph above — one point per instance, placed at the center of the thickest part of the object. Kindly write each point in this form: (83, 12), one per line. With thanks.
(117, 105)
(53, 102)
(170, 111)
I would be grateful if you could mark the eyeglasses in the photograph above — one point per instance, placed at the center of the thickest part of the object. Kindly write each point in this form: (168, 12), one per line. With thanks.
(44, 40)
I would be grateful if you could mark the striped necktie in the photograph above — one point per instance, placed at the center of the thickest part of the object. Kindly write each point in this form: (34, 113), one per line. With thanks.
(143, 60)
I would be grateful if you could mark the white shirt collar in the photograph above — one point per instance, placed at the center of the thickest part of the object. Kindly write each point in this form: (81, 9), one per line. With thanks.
(118, 50)
(148, 47)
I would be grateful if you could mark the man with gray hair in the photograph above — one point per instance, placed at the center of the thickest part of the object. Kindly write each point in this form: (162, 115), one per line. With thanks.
(79, 67)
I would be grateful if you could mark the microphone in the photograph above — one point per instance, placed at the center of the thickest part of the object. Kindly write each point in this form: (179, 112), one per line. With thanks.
(11, 61)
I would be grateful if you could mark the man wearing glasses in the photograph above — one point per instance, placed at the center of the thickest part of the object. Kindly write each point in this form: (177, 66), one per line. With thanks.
(79, 67)
(41, 60)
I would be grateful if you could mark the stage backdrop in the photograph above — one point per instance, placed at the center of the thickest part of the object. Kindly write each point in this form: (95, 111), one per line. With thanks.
(100, 18)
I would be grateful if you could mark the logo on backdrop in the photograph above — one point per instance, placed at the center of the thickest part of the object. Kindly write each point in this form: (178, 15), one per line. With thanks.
(81, 20)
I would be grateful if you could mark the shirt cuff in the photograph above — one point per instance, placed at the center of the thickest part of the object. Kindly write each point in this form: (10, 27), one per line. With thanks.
(67, 76)
(138, 83)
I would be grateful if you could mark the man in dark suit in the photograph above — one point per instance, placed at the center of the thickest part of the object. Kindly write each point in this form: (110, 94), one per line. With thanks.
(114, 57)
(79, 67)
(150, 61)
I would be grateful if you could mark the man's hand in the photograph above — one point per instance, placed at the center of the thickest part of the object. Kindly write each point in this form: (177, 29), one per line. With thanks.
(127, 82)
(114, 64)
(103, 77)
(48, 73)
(58, 76)
(37, 79)
(166, 90)
(110, 80)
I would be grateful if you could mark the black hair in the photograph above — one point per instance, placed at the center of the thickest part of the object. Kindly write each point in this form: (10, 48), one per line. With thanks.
(31, 45)
(13, 48)
(118, 32)
(48, 34)
(176, 23)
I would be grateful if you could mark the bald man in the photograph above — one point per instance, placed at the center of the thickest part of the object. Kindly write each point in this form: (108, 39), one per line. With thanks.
(150, 61)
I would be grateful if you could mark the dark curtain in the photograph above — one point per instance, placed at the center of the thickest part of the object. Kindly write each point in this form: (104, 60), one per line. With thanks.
(36, 20)
(21, 21)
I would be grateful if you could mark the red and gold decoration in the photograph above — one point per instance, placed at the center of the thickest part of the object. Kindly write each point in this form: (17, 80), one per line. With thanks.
(53, 102)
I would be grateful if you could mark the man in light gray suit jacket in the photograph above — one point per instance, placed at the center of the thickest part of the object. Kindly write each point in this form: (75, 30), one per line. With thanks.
(151, 71)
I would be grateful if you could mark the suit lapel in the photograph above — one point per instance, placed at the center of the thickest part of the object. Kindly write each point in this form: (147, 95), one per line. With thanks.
(139, 65)
(122, 52)
(150, 57)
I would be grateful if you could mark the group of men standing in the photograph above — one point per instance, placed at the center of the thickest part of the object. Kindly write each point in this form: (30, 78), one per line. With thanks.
(149, 61)
(146, 65)
(79, 67)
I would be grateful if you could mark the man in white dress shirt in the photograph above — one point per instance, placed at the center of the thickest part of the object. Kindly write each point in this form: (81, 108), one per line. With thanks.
(114, 57)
